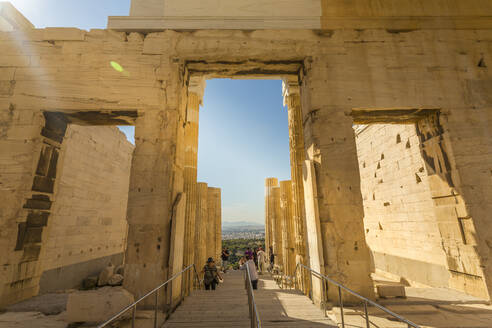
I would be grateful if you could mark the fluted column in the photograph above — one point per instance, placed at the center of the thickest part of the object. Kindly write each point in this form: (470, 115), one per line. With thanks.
(269, 211)
(277, 229)
(218, 223)
(195, 95)
(201, 225)
(211, 223)
(288, 235)
(297, 157)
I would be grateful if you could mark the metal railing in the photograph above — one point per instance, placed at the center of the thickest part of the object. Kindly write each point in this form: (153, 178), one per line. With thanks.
(342, 288)
(154, 291)
(253, 311)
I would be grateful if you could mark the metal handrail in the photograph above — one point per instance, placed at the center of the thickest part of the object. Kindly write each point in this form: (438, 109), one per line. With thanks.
(156, 291)
(348, 290)
(253, 311)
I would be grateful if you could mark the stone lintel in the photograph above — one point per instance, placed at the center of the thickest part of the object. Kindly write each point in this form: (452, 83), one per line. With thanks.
(390, 115)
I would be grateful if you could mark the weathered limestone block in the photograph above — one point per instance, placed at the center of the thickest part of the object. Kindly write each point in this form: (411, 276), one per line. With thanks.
(332, 149)
(105, 275)
(149, 202)
(390, 291)
(96, 306)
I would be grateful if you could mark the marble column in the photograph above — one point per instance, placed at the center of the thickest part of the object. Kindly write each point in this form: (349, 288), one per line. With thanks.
(288, 235)
(218, 224)
(277, 229)
(297, 157)
(270, 183)
(201, 225)
(195, 95)
(211, 222)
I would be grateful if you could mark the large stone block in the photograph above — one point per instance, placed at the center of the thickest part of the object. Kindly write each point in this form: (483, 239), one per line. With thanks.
(97, 305)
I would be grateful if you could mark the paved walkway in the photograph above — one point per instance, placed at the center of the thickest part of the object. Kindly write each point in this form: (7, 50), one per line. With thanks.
(287, 308)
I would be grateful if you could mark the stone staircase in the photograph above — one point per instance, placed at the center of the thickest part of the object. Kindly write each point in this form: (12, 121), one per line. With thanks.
(228, 307)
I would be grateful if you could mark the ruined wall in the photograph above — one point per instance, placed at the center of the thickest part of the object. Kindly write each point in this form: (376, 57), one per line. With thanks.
(392, 67)
(399, 218)
(87, 228)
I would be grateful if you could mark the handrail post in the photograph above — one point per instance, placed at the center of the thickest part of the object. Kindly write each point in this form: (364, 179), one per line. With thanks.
(325, 296)
(368, 323)
(311, 285)
(340, 301)
(155, 308)
(133, 315)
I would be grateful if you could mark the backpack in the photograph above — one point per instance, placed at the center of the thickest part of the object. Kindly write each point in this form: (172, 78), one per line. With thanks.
(210, 274)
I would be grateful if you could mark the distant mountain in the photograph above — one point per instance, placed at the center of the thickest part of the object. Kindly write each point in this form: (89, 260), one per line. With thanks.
(242, 224)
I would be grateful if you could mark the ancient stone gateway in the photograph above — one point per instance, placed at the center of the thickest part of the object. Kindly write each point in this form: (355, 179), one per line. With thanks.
(342, 63)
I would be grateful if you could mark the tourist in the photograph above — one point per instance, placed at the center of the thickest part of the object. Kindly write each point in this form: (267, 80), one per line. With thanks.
(242, 260)
(262, 260)
(248, 253)
(252, 271)
(211, 275)
(225, 259)
(272, 258)
(255, 257)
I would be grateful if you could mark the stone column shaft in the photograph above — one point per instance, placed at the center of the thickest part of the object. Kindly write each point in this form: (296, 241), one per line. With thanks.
(201, 225)
(297, 157)
(218, 224)
(269, 212)
(288, 233)
(190, 176)
(277, 229)
(211, 233)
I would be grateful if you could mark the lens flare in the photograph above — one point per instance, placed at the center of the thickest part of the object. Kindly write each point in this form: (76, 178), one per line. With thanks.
(117, 67)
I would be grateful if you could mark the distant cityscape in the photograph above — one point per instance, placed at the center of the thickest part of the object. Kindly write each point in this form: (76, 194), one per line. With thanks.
(242, 230)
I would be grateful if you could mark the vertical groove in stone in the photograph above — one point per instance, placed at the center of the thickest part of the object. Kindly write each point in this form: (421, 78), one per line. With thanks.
(296, 142)
(269, 211)
(288, 237)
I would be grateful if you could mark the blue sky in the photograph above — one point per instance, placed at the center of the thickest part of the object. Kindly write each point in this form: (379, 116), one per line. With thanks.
(244, 135)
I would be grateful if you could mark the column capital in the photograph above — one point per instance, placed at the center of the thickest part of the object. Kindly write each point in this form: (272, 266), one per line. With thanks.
(197, 86)
(290, 87)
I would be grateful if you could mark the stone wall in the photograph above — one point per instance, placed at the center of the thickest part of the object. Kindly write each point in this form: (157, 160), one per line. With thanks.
(88, 218)
(390, 67)
(399, 218)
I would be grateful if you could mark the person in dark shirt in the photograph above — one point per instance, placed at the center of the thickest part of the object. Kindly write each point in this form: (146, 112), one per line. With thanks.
(225, 259)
